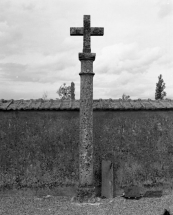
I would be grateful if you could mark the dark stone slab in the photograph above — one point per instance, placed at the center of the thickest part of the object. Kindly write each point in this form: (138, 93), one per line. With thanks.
(107, 179)
(155, 193)
(166, 212)
(132, 192)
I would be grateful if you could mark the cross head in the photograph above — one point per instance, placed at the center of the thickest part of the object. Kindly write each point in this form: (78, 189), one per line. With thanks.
(86, 32)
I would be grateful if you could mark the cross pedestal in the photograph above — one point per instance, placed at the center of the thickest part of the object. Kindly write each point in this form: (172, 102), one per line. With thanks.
(86, 184)
(86, 189)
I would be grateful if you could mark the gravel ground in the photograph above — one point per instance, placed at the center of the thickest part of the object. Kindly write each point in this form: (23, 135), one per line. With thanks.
(26, 202)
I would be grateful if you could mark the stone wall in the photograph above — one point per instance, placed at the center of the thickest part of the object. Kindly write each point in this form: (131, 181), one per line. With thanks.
(41, 147)
(38, 147)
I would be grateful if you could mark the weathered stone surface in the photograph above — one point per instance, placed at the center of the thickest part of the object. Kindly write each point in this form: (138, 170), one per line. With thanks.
(76, 31)
(86, 32)
(85, 194)
(94, 31)
(86, 189)
(107, 179)
(86, 130)
(86, 67)
(87, 56)
(97, 31)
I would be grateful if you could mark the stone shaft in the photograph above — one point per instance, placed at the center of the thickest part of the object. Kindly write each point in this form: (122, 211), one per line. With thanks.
(87, 32)
(86, 120)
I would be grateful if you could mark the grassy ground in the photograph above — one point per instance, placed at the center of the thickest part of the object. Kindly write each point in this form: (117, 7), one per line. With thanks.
(58, 201)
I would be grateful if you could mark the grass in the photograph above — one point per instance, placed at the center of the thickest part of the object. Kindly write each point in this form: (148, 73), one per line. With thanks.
(58, 201)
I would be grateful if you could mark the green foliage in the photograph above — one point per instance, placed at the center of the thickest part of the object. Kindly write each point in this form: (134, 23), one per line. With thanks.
(125, 97)
(64, 92)
(45, 95)
(67, 92)
(72, 91)
(160, 86)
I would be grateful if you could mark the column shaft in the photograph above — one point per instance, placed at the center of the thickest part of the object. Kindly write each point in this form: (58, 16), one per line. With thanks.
(86, 120)
(86, 130)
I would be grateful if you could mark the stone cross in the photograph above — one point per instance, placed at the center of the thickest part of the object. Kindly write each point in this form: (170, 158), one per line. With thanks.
(86, 189)
(86, 32)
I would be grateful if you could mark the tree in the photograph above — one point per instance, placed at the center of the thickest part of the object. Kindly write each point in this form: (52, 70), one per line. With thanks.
(67, 92)
(72, 91)
(45, 95)
(160, 86)
(125, 97)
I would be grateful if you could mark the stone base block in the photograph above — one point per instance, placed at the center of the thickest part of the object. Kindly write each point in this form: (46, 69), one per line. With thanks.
(108, 185)
(85, 194)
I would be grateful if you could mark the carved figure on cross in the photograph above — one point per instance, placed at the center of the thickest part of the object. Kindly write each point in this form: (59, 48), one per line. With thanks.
(86, 32)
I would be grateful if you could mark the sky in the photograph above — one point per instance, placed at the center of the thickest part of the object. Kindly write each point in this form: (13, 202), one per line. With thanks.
(38, 55)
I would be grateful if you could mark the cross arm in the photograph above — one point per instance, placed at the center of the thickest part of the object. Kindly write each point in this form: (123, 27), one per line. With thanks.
(76, 31)
(97, 31)
(79, 31)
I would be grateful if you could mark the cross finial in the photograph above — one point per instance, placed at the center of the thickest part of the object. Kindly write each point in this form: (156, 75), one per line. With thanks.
(86, 32)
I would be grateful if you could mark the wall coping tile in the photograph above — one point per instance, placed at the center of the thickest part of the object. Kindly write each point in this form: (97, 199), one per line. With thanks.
(98, 104)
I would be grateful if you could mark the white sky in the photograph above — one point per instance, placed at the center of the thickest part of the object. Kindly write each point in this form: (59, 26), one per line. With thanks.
(37, 53)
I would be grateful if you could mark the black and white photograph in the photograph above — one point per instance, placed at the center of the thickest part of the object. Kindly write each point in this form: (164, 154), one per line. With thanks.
(86, 107)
